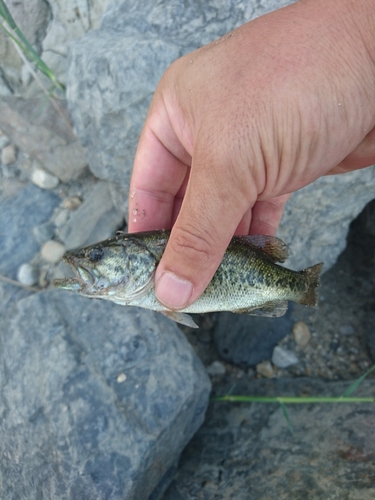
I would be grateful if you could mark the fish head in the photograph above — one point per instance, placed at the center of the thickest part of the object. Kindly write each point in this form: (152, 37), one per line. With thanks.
(109, 269)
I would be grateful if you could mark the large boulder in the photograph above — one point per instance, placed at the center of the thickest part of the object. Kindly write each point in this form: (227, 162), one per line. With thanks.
(98, 400)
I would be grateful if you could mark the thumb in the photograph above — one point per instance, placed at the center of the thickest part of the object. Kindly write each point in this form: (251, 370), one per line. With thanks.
(210, 213)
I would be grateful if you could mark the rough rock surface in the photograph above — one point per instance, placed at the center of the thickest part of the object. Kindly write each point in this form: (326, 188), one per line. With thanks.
(98, 400)
(31, 207)
(45, 134)
(247, 452)
(95, 220)
(113, 71)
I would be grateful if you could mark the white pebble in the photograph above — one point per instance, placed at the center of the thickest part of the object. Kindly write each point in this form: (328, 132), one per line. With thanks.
(121, 378)
(52, 251)
(301, 334)
(216, 368)
(27, 274)
(282, 358)
(8, 154)
(265, 369)
(43, 179)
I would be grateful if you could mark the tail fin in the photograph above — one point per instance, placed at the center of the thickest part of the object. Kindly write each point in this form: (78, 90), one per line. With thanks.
(312, 275)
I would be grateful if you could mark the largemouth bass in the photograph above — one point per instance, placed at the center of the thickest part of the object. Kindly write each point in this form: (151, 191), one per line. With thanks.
(248, 280)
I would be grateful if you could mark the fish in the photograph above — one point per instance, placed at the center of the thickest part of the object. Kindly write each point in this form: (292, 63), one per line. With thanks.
(249, 279)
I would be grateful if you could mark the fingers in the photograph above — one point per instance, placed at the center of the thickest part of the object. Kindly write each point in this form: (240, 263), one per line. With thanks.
(266, 215)
(363, 156)
(201, 234)
(161, 168)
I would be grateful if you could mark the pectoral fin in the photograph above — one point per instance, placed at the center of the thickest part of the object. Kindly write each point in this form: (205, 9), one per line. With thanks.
(272, 309)
(179, 317)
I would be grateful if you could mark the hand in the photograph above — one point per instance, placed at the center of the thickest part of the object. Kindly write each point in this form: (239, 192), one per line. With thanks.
(241, 123)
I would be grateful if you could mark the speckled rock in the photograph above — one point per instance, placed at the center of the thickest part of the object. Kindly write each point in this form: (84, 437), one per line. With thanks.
(29, 208)
(246, 451)
(100, 399)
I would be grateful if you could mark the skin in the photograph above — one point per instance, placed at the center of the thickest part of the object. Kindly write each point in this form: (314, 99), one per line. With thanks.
(241, 123)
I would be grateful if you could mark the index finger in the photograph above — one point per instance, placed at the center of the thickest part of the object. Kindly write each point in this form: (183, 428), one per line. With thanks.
(157, 179)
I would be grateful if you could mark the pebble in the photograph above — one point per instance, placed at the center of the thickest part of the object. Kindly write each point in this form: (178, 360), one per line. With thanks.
(265, 369)
(301, 333)
(61, 218)
(8, 154)
(43, 179)
(52, 251)
(27, 274)
(346, 330)
(72, 203)
(282, 358)
(216, 368)
(4, 141)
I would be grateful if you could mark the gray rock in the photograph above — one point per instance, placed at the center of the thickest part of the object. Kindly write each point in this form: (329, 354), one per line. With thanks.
(71, 429)
(216, 368)
(113, 71)
(249, 340)
(282, 358)
(4, 141)
(8, 154)
(95, 220)
(316, 219)
(43, 232)
(246, 451)
(29, 208)
(44, 134)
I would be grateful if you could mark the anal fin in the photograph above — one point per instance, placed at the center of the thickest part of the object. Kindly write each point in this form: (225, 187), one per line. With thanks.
(179, 317)
(271, 309)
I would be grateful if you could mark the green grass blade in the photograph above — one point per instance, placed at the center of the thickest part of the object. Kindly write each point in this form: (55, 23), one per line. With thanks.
(286, 416)
(26, 47)
(356, 383)
(291, 400)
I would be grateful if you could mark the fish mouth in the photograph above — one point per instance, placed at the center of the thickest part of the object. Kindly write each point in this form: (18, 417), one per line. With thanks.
(84, 280)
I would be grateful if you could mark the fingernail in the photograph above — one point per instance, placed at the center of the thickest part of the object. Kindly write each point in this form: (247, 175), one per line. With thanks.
(172, 291)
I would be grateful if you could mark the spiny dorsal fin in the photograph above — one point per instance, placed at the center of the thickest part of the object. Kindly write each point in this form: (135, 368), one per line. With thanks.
(274, 248)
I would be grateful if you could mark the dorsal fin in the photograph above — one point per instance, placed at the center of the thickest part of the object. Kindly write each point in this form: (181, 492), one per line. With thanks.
(273, 248)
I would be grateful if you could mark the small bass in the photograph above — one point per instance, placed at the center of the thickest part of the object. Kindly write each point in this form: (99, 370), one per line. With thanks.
(248, 280)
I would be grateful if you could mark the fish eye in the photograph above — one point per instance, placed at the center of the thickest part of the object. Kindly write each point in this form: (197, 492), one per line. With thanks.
(95, 254)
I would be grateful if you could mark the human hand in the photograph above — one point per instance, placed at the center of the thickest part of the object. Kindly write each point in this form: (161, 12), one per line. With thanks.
(239, 124)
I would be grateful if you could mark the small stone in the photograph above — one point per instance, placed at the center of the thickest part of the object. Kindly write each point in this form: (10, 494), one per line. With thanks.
(61, 218)
(43, 232)
(121, 378)
(265, 369)
(8, 154)
(27, 274)
(301, 333)
(282, 358)
(43, 179)
(72, 203)
(4, 141)
(216, 368)
(52, 251)
(346, 330)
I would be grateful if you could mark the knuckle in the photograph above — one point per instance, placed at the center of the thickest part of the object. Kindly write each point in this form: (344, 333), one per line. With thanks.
(192, 247)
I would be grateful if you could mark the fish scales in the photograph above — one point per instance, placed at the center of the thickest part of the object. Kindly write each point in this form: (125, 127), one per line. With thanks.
(248, 280)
